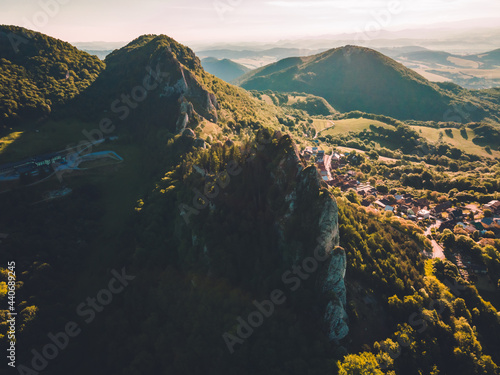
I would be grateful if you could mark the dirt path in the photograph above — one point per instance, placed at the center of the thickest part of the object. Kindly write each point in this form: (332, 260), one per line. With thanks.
(322, 130)
(349, 149)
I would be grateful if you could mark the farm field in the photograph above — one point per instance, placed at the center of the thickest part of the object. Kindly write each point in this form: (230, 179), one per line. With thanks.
(351, 125)
(457, 140)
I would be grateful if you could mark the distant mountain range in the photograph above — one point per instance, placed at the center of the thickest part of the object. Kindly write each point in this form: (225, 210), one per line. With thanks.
(487, 60)
(278, 53)
(455, 37)
(99, 53)
(472, 71)
(99, 49)
(225, 69)
(258, 57)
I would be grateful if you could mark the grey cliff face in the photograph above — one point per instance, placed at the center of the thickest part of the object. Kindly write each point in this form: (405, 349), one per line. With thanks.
(332, 282)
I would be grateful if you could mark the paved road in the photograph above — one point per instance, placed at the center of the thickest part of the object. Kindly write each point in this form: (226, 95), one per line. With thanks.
(437, 250)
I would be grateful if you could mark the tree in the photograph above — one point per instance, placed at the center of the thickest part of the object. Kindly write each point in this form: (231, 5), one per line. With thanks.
(460, 309)
(489, 234)
(455, 153)
(353, 196)
(360, 364)
(448, 239)
(487, 365)
(391, 199)
(365, 168)
(373, 155)
(382, 189)
(453, 166)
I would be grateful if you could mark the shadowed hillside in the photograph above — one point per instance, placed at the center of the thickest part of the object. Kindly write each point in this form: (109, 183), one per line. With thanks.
(225, 69)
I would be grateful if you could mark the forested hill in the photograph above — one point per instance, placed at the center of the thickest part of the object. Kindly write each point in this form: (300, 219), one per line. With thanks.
(38, 73)
(357, 78)
(167, 85)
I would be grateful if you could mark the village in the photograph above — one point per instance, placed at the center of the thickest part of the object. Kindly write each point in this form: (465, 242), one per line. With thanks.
(473, 220)
(479, 222)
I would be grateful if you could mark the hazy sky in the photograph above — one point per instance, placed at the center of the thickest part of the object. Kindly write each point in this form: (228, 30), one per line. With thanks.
(192, 21)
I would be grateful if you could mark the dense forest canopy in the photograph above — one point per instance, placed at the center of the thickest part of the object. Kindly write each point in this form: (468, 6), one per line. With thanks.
(39, 73)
